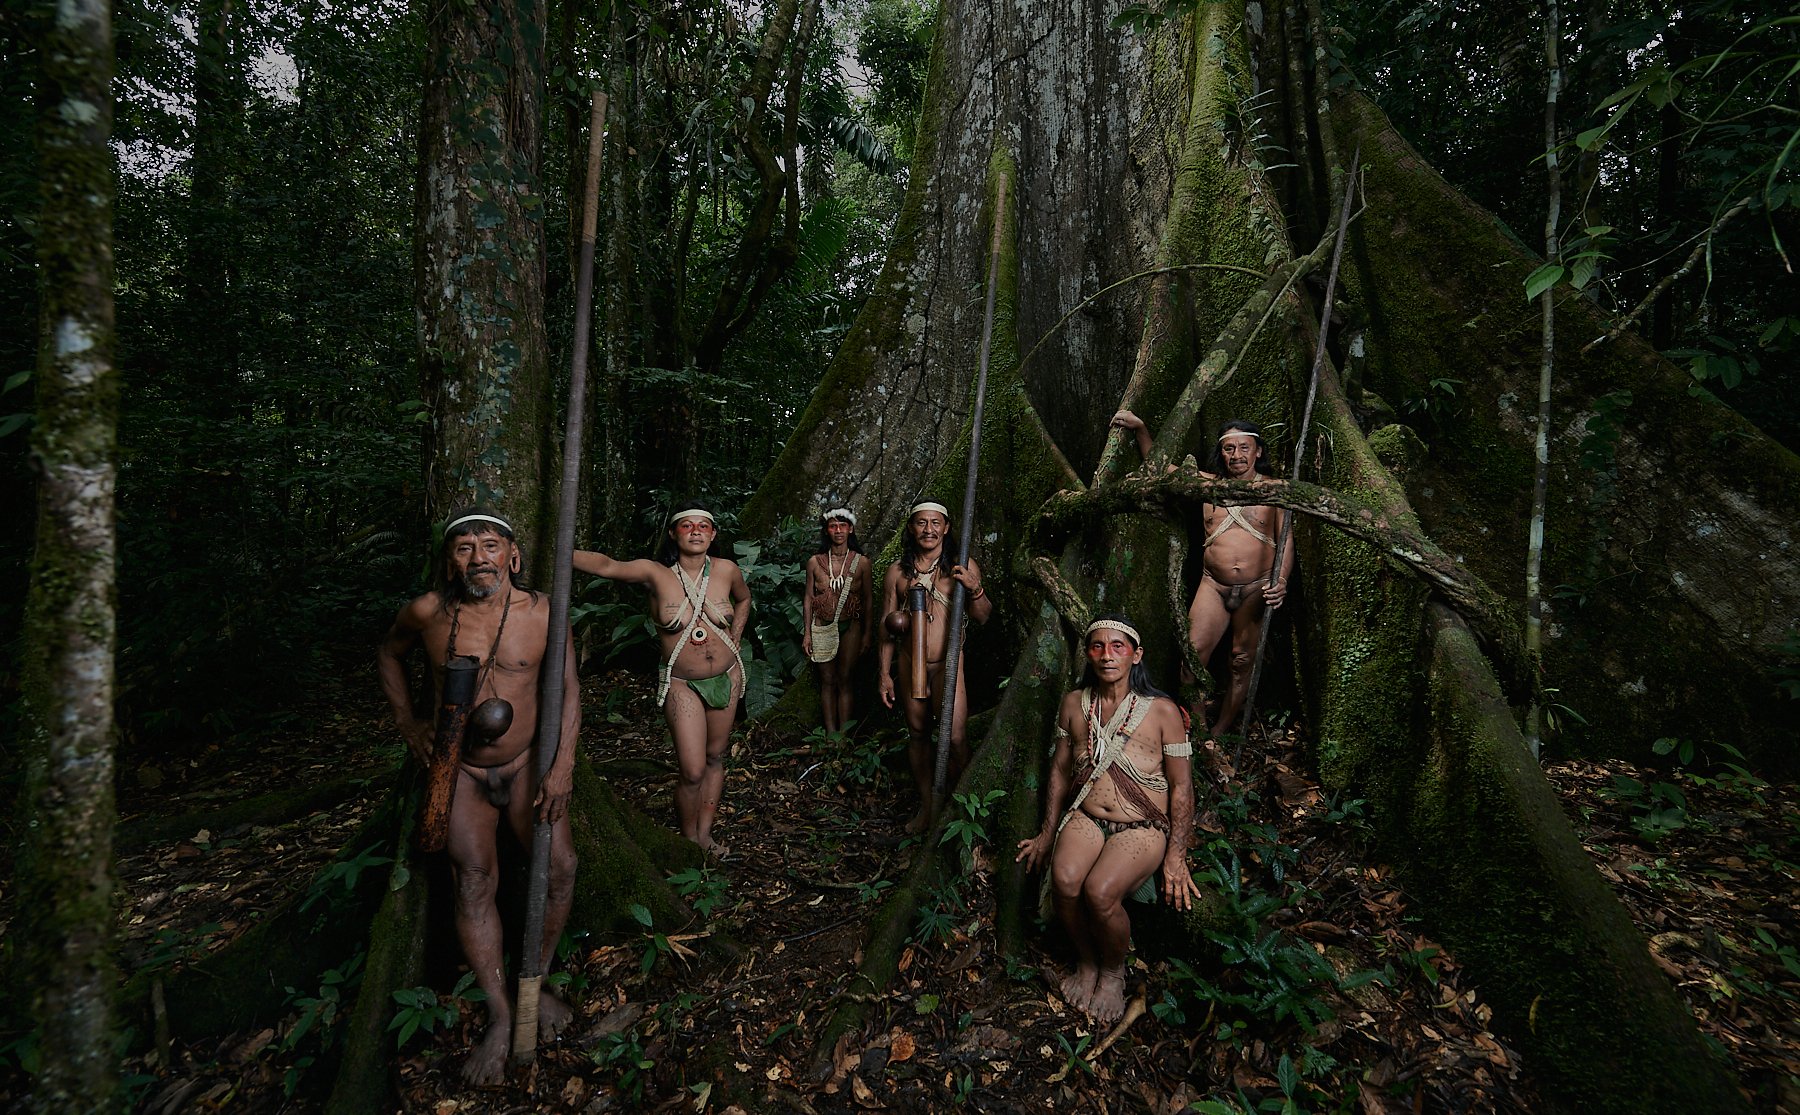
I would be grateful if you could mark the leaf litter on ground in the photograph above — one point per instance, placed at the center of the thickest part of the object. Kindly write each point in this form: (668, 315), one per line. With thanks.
(1387, 1023)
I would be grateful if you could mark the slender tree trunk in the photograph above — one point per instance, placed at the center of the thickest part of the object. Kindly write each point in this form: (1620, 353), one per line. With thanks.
(1540, 485)
(615, 488)
(480, 263)
(212, 232)
(64, 931)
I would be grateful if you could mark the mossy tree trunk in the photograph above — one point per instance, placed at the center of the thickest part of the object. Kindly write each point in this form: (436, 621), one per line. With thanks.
(1174, 125)
(479, 267)
(62, 953)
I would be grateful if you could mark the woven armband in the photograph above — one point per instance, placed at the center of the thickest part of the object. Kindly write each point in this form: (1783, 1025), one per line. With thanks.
(1182, 750)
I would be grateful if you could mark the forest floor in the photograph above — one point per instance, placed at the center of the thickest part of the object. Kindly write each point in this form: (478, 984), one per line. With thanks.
(1340, 1005)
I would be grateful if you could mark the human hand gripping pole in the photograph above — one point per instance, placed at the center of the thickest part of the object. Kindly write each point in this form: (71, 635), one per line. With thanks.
(958, 593)
(550, 703)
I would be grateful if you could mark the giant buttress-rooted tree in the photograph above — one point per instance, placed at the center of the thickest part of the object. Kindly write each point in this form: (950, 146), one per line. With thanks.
(1202, 153)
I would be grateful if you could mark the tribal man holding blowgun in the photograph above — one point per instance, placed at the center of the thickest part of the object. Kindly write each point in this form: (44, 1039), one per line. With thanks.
(484, 609)
(925, 543)
(1234, 591)
(1122, 747)
(701, 605)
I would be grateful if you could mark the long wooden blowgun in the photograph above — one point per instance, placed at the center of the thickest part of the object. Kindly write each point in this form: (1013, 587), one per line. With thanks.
(550, 703)
(958, 594)
(1285, 535)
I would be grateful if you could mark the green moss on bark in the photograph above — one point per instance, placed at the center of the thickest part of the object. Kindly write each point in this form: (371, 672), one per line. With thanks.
(1507, 881)
(1699, 517)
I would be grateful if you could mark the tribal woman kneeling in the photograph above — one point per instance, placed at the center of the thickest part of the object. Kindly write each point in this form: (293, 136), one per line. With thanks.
(701, 606)
(1122, 747)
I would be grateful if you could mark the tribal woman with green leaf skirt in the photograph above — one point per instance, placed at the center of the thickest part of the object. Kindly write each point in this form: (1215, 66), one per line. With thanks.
(701, 605)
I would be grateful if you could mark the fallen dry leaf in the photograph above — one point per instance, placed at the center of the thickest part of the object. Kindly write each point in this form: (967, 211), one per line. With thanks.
(901, 1047)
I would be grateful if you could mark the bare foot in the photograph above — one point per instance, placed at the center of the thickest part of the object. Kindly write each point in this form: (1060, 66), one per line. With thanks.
(487, 1061)
(921, 820)
(553, 1016)
(716, 849)
(1108, 1002)
(1078, 986)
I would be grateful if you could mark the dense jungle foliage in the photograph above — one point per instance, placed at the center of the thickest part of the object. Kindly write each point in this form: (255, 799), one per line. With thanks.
(271, 504)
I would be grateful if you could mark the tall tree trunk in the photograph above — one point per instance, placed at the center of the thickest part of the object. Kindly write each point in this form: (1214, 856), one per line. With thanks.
(212, 232)
(480, 264)
(1154, 147)
(63, 936)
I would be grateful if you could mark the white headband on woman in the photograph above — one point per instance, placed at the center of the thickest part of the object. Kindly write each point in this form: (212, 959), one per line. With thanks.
(1115, 625)
(503, 524)
(692, 513)
(843, 513)
(930, 505)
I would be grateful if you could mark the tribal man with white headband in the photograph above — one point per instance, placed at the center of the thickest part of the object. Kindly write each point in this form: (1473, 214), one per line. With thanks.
(924, 544)
(1122, 747)
(701, 605)
(484, 609)
(1234, 592)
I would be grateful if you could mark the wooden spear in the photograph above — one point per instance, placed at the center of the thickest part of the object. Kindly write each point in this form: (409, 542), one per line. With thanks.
(1312, 392)
(550, 702)
(953, 655)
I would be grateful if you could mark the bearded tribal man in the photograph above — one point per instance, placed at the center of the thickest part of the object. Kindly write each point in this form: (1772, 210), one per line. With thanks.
(484, 609)
(1123, 748)
(926, 541)
(1234, 593)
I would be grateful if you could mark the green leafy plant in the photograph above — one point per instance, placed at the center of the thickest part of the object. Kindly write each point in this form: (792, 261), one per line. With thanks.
(420, 1009)
(775, 570)
(317, 1017)
(1073, 1053)
(624, 1055)
(1657, 809)
(344, 871)
(971, 827)
(658, 943)
(173, 946)
(703, 889)
(1436, 402)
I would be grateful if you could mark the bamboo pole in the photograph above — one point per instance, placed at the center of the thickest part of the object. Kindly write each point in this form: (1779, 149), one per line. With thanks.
(550, 703)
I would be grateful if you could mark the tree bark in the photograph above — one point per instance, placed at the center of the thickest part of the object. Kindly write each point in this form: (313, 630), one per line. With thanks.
(479, 272)
(62, 950)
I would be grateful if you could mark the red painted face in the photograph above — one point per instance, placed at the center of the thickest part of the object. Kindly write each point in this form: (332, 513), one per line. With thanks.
(693, 536)
(838, 531)
(1112, 654)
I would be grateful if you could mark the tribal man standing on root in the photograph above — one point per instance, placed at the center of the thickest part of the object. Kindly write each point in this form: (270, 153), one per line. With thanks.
(1133, 812)
(925, 543)
(484, 609)
(701, 605)
(1234, 592)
